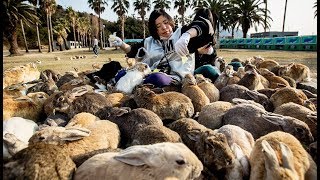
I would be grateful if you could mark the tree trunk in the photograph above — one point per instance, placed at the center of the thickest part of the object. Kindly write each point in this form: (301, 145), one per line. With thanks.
(49, 38)
(51, 33)
(65, 43)
(217, 37)
(79, 39)
(90, 42)
(24, 36)
(144, 27)
(122, 27)
(245, 29)
(182, 19)
(74, 35)
(99, 24)
(39, 43)
(12, 38)
(232, 33)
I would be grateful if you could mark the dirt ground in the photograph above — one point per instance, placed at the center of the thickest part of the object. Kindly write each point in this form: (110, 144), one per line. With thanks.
(64, 63)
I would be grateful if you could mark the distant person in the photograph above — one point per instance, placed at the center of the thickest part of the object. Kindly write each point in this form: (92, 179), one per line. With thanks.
(95, 46)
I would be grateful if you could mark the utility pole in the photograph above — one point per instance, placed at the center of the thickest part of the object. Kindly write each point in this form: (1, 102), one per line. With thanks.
(284, 16)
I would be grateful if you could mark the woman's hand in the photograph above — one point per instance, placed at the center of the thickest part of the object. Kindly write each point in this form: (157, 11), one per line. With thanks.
(181, 45)
(205, 50)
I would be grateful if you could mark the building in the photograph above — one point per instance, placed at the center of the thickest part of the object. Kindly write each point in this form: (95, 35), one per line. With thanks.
(272, 34)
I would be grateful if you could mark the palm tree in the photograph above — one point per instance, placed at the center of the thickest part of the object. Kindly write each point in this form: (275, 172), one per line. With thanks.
(61, 29)
(219, 10)
(161, 4)
(315, 12)
(98, 7)
(36, 3)
(284, 15)
(84, 23)
(250, 14)
(141, 6)
(120, 7)
(198, 3)
(78, 28)
(24, 36)
(52, 8)
(182, 6)
(73, 16)
(14, 11)
(49, 6)
(232, 21)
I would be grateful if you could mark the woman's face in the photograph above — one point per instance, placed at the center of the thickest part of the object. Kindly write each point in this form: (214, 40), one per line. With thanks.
(163, 27)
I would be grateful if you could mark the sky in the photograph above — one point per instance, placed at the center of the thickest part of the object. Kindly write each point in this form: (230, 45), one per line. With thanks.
(299, 14)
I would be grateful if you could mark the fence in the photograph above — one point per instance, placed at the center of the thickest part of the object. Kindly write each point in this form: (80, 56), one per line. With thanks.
(289, 43)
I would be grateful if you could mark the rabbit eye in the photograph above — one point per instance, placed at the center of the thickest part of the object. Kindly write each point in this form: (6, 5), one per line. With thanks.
(180, 162)
(60, 99)
(41, 97)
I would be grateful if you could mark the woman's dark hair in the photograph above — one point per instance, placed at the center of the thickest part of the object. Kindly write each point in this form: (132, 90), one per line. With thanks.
(205, 13)
(152, 22)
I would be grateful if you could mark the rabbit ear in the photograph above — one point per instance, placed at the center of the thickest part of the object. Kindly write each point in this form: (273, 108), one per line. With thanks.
(237, 151)
(252, 94)
(45, 77)
(313, 117)
(194, 135)
(120, 111)
(138, 156)
(75, 133)
(23, 98)
(274, 119)
(270, 156)
(287, 156)
(9, 139)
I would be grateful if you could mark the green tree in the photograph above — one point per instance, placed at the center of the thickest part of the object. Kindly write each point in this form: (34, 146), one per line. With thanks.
(73, 17)
(250, 14)
(182, 6)
(98, 7)
(36, 3)
(198, 3)
(120, 7)
(61, 29)
(24, 36)
(231, 22)
(49, 6)
(161, 4)
(16, 10)
(142, 6)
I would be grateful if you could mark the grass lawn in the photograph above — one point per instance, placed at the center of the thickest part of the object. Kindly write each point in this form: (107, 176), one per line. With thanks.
(65, 64)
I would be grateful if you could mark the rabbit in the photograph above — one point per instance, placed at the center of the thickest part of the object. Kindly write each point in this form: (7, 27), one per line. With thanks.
(168, 105)
(299, 72)
(195, 93)
(47, 85)
(289, 94)
(207, 87)
(133, 77)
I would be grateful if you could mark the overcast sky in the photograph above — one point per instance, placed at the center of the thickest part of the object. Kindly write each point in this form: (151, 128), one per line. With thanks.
(299, 15)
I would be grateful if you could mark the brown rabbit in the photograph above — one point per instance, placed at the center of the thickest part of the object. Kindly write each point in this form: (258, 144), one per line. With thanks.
(194, 92)
(207, 87)
(274, 80)
(268, 64)
(297, 71)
